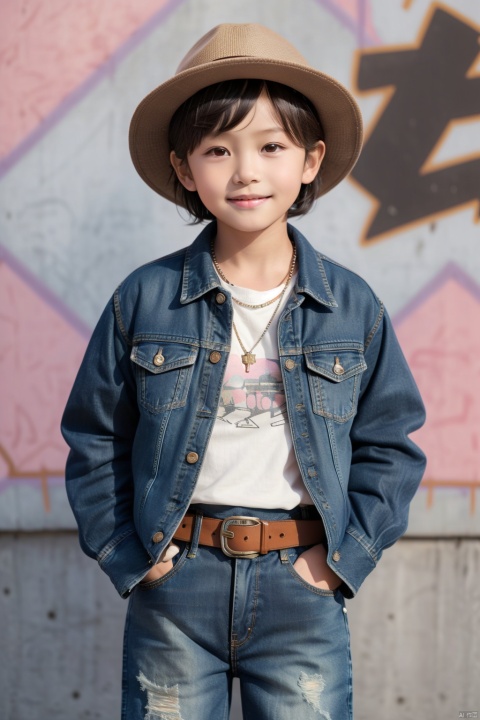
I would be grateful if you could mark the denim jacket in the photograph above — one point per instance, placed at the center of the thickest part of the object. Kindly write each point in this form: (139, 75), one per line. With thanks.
(138, 426)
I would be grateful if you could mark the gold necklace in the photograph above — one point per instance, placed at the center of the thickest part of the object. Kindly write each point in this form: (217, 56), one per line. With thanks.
(256, 307)
(248, 357)
(236, 300)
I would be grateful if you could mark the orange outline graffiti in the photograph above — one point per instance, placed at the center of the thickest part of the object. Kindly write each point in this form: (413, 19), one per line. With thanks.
(431, 485)
(387, 91)
(43, 474)
(430, 165)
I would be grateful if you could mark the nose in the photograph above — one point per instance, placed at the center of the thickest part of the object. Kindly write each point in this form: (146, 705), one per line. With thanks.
(246, 169)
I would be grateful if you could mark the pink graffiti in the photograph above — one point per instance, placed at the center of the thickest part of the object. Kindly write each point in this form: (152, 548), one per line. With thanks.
(441, 341)
(50, 47)
(39, 358)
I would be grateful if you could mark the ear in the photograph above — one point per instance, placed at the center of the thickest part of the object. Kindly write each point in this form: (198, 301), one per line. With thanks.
(183, 172)
(313, 162)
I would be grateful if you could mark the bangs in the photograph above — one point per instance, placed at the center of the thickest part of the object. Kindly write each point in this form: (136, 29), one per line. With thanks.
(213, 110)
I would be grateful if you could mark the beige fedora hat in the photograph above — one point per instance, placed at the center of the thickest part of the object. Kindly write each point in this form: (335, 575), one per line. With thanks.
(241, 51)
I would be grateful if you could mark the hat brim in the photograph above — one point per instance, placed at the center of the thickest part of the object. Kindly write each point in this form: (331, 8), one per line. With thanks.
(337, 110)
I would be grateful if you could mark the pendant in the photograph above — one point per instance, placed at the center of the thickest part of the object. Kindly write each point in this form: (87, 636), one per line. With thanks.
(248, 359)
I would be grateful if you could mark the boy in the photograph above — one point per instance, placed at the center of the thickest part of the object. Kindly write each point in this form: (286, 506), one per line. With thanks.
(239, 426)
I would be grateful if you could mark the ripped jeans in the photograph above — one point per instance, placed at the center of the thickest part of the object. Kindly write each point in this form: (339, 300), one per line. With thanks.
(212, 618)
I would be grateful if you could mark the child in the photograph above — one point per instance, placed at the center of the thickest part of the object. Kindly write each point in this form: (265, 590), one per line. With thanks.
(239, 426)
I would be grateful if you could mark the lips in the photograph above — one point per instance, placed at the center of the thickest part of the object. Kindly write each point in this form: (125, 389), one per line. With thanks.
(248, 201)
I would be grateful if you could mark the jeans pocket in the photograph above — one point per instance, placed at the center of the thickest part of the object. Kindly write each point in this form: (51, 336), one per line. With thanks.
(178, 560)
(289, 558)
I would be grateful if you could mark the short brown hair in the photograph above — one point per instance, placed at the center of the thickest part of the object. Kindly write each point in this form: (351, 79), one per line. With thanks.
(221, 107)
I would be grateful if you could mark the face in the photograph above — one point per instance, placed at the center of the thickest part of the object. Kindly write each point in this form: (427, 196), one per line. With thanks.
(250, 176)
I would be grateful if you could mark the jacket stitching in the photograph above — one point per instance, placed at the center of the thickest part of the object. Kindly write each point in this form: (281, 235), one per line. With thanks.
(118, 316)
(368, 548)
(107, 550)
(375, 327)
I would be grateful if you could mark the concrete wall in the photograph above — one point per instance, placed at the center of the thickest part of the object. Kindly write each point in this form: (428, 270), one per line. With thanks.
(75, 219)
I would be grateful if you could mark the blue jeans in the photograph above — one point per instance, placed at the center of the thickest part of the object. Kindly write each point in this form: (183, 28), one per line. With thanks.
(212, 618)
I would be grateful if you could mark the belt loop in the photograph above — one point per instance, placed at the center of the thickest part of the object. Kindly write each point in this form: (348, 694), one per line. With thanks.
(263, 537)
(197, 526)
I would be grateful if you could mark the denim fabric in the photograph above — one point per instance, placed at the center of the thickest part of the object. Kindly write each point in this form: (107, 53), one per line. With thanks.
(212, 618)
(141, 411)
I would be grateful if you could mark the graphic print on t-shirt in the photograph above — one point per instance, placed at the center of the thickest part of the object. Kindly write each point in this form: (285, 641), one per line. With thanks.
(254, 399)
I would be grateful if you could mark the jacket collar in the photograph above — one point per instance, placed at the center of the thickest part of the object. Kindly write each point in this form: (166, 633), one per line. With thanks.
(312, 278)
(199, 275)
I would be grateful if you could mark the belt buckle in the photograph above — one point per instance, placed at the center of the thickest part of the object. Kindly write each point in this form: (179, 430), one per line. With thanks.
(225, 534)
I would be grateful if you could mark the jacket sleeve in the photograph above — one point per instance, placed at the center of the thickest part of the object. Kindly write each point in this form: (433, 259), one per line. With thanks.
(386, 466)
(99, 425)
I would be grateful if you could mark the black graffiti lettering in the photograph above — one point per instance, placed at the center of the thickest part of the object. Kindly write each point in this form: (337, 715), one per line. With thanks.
(431, 88)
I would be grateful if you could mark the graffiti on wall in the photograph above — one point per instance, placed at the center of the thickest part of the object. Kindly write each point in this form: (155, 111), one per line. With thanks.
(40, 350)
(438, 330)
(430, 89)
(420, 165)
(42, 340)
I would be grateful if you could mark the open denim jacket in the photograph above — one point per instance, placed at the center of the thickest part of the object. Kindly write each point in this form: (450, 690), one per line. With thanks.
(138, 426)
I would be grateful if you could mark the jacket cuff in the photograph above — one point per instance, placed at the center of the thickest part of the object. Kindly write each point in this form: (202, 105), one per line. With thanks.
(126, 564)
(352, 562)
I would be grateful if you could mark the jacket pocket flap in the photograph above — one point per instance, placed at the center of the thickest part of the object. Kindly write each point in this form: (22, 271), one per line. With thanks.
(162, 357)
(336, 365)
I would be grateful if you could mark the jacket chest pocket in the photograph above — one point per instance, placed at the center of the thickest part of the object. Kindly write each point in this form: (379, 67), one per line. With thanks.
(334, 377)
(163, 371)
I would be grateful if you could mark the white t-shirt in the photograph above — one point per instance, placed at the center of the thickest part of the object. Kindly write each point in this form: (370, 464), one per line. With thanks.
(250, 460)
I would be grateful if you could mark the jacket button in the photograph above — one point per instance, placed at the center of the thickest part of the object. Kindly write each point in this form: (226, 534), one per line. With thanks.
(215, 357)
(336, 556)
(289, 364)
(338, 368)
(192, 458)
(158, 359)
(220, 298)
(158, 537)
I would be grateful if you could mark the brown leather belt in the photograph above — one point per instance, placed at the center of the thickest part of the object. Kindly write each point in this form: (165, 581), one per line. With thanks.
(248, 537)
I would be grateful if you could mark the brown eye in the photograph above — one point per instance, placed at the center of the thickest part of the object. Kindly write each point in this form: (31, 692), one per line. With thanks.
(271, 147)
(217, 152)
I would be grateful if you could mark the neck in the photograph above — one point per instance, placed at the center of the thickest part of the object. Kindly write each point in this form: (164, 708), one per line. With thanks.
(258, 261)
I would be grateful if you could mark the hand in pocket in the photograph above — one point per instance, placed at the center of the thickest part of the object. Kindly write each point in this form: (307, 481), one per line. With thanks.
(158, 571)
(312, 566)
(164, 565)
